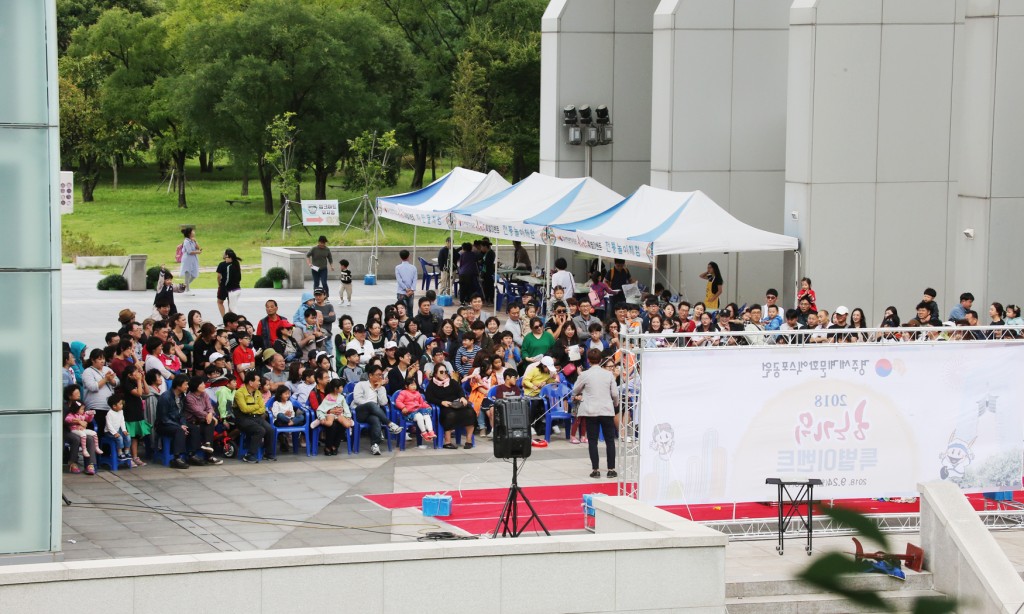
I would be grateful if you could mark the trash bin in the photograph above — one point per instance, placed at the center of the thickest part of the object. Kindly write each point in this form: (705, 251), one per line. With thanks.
(135, 272)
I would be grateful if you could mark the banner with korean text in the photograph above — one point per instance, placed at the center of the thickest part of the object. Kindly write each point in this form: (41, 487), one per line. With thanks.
(869, 420)
(320, 213)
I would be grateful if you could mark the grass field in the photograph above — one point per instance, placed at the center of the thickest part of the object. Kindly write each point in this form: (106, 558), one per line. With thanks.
(142, 217)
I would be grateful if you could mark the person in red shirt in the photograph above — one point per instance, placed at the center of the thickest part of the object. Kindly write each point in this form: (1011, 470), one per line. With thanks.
(244, 358)
(268, 326)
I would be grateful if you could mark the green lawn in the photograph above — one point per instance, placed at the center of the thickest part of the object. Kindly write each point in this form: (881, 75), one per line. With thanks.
(141, 217)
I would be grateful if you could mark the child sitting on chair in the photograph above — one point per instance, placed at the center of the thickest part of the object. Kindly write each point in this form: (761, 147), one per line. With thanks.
(78, 419)
(412, 405)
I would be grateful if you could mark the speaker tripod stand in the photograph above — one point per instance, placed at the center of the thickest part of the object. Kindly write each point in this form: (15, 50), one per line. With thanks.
(508, 522)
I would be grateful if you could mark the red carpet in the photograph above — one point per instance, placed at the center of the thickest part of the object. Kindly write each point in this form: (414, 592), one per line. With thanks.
(560, 507)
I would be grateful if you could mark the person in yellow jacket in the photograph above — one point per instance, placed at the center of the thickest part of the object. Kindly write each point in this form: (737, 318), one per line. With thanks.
(251, 414)
(538, 375)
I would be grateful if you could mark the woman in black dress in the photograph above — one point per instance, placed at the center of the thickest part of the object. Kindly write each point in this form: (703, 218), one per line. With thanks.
(456, 411)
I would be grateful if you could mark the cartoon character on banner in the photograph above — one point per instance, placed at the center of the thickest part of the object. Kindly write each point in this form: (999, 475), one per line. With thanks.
(661, 480)
(956, 458)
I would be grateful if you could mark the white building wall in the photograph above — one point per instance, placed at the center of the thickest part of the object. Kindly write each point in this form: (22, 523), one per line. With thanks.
(870, 170)
(598, 52)
(991, 194)
(719, 125)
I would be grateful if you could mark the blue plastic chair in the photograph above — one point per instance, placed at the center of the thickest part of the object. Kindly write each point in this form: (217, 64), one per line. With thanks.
(357, 428)
(557, 408)
(163, 454)
(294, 431)
(429, 274)
(243, 440)
(349, 387)
(110, 458)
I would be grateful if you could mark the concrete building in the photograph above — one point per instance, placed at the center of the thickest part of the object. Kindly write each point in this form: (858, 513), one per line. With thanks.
(884, 134)
(30, 425)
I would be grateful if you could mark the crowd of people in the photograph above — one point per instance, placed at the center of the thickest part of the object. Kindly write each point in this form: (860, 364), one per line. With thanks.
(176, 378)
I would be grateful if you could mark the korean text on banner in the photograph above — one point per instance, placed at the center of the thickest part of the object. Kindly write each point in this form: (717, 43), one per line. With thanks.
(869, 420)
(320, 213)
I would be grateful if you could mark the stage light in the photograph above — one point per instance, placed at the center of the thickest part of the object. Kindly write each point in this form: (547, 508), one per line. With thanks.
(575, 135)
(570, 117)
(586, 116)
(602, 114)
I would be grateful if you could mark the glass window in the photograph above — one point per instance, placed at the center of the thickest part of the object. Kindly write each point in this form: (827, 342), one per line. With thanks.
(25, 196)
(26, 483)
(26, 346)
(23, 70)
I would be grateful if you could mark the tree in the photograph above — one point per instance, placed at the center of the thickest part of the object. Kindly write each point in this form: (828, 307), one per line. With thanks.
(144, 82)
(74, 14)
(470, 127)
(281, 157)
(88, 137)
(330, 67)
(370, 155)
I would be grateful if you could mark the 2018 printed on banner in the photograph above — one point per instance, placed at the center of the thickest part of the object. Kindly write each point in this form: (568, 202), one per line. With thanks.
(869, 420)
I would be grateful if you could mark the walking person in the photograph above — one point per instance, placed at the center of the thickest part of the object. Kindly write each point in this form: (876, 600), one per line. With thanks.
(190, 251)
(443, 256)
(405, 273)
(229, 281)
(598, 399)
(320, 262)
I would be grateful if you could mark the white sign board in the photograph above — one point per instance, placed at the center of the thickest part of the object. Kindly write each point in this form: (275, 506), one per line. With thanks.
(869, 420)
(320, 213)
(67, 192)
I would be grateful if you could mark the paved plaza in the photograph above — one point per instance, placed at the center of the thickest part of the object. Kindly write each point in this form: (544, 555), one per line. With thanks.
(302, 501)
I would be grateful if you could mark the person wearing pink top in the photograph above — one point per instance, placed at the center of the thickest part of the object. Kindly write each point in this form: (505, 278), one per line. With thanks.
(412, 405)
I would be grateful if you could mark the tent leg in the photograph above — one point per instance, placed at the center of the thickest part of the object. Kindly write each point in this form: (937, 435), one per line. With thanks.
(414, 244)
(654, 271)
(737, 296)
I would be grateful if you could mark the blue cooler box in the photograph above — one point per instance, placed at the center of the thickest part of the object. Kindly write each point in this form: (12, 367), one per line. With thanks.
(588, 502)
(444, 301)
(370, 280)
(437, 505)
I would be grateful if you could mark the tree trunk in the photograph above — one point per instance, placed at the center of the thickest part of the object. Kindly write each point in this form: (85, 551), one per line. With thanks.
(114, 166)
(245, 181)
(179, 164)
(518, 166)
(419, 164)
(321, 173)
(267, 185)
(433, 164)
(205, 161)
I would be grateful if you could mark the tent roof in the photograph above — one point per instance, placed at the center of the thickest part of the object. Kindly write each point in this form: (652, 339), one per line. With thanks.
(537, 196)
(698, 224)
(655, 221)
(428, 206)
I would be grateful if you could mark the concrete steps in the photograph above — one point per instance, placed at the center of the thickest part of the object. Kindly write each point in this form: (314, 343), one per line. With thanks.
(795, 597)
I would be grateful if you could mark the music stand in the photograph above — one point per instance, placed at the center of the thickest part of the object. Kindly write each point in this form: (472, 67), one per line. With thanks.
(508, 521)
(789, 507)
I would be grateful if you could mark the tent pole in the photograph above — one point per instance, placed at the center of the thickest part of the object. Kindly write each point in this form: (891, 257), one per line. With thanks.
(547, 270)
(654, 269)
(414, 229)
(451, 264)
(737, 297)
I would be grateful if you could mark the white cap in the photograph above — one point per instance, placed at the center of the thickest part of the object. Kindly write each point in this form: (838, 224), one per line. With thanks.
(548, 362)
(842, 310)
(216, 356)
(390, 344)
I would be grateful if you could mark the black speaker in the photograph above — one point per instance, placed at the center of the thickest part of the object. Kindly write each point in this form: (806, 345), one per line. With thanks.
(512, 428)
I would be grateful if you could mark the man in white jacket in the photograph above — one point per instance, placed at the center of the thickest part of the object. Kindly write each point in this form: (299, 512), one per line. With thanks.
(369, 399)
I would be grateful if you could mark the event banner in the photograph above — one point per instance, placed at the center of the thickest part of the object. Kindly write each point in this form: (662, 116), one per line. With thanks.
(868, 420)
(409, 215)
(320, 213)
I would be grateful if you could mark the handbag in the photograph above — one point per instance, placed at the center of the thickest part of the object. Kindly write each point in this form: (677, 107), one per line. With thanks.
(459, 404)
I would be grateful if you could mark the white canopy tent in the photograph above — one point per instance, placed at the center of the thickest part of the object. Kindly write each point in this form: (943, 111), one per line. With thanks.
(652, 222)
(430, 206)
(502, 215)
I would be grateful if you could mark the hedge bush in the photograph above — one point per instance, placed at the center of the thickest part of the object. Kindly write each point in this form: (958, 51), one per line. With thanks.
(263, 282)
(112, 282)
